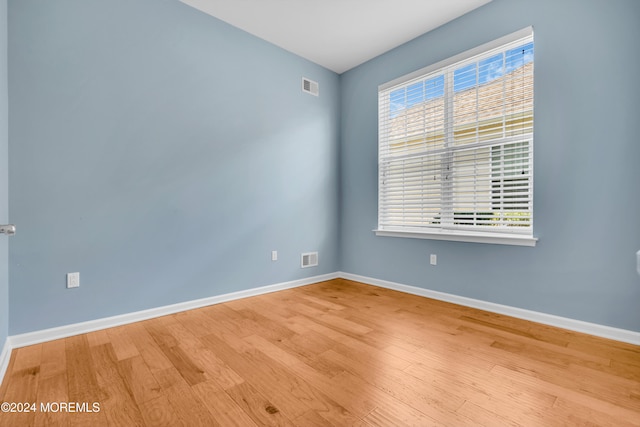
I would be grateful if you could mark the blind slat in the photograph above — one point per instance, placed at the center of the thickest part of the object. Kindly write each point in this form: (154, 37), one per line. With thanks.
(456, 145)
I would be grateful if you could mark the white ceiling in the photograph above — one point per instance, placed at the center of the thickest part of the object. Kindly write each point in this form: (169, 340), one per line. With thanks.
(337, 34)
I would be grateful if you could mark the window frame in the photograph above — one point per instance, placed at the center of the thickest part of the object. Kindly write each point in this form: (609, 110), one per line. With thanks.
(508, 237)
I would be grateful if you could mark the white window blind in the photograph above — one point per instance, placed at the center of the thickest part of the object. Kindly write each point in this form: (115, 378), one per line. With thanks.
(456, 144)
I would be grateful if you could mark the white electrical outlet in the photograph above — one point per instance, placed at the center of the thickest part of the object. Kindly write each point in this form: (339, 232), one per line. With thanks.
(274, 255)
(433, 259)
(73, 280)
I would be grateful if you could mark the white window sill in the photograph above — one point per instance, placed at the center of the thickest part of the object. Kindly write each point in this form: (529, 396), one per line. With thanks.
(463, 236)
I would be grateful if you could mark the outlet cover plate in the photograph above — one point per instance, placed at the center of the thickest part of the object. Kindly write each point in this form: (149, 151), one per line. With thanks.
(73, 280)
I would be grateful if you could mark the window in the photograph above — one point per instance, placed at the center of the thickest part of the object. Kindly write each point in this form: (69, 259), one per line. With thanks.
(456, 147)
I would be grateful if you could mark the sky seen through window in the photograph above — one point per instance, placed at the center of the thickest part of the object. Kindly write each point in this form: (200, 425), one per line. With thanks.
(465, 77)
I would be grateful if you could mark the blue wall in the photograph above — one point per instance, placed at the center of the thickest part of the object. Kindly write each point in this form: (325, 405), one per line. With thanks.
(4, 176)
(162, 154)
(587, 173)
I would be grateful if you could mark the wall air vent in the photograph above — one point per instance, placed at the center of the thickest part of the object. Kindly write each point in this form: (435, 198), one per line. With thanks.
(309, 259)
(310, 86)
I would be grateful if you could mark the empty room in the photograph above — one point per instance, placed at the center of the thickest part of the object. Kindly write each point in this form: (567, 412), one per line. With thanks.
(319, 213)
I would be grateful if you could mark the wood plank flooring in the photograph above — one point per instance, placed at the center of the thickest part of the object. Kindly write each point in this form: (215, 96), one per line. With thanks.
(334, 353)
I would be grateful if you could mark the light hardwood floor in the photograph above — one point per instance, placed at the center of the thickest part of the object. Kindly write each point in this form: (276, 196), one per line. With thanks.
(334, 353)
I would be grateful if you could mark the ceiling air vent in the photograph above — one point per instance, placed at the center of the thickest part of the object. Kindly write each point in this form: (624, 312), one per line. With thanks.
(309, 259)
(310, 86)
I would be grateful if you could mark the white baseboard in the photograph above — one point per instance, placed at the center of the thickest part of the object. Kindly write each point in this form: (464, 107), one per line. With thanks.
(37, 337)
(5, 357)
(45, 335)
(623, 335)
